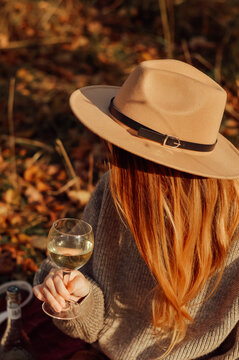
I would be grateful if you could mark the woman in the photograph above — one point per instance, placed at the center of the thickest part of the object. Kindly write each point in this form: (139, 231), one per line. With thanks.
(163, 280)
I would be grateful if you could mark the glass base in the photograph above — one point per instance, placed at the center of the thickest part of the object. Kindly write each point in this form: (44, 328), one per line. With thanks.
(68, 314)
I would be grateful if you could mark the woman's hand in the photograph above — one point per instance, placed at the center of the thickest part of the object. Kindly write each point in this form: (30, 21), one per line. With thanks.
(55, 289)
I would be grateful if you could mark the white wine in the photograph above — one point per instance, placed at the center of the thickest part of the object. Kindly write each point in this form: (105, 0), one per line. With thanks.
(64, 255)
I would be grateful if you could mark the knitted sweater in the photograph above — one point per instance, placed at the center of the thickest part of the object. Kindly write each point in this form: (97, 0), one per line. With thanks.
(117, 312)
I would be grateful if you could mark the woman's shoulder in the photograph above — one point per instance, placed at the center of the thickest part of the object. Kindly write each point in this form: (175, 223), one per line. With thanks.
(101, 189)
(99, 200)
(102, 186)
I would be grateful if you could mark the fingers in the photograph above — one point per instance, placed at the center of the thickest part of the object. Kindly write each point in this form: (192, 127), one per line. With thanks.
(52, 300)
(56, 288)
(78, 285)
(53, 290)
(44, 295)
(37, 290)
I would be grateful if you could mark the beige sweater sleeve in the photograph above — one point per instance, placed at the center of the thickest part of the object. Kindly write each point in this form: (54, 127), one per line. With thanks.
(90, 309)
(91, 317)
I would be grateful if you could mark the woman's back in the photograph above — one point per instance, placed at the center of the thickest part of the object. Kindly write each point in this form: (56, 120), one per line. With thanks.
(183, 226)
(120, 272)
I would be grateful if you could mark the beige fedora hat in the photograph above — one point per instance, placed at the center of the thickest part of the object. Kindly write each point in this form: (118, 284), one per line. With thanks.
(167, 111)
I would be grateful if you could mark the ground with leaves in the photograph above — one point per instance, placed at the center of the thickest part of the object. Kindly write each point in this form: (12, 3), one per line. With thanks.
(49, 164)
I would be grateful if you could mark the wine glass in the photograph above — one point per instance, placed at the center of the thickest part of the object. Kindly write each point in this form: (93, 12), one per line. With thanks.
(70, 245)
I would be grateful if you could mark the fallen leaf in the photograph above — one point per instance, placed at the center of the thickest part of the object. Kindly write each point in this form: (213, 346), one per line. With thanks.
(14, 239)
(4, 40)
(58, 207)
(42, 208)
(29, 265)
(3, 224)
(15, 219)
(32, 173)
(33, 195)
(52, 169)
(230, 131)
(232, 123)
(12, 196)
(4, 209)
(62, 175)
(42, 186)
(82, 196)
(23, 238)
(146, 56)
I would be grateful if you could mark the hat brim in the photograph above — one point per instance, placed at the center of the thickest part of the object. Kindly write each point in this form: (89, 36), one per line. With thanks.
(90, 105)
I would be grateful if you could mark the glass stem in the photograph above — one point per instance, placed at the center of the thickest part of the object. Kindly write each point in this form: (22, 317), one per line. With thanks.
(66, 272)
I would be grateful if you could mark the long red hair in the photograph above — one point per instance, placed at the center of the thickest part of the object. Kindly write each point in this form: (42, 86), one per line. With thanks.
(183, 226)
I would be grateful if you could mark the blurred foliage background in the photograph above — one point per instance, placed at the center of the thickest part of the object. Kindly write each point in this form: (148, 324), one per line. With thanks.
(49, 164)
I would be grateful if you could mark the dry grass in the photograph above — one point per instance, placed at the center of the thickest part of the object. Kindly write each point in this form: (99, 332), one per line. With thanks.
(49, 164)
